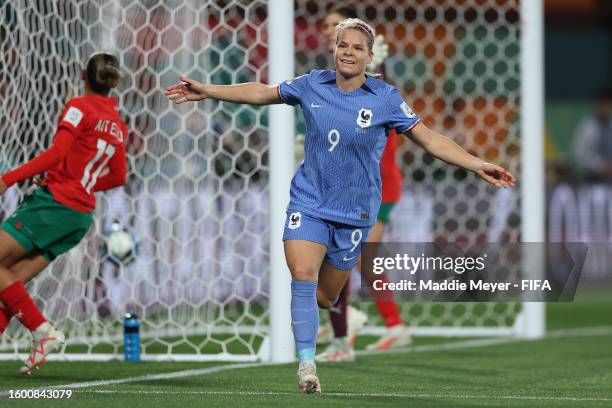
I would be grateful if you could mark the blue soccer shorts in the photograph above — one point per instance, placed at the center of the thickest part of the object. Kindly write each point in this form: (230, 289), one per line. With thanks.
(343, 241)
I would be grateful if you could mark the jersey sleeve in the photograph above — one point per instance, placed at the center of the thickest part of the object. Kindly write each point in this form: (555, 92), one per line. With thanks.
(73, 118)
(291, 91)
(43, 162)
(401, 116)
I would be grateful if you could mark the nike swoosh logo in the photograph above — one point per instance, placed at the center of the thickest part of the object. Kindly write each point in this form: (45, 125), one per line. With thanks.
(314, 105)
(345, 259)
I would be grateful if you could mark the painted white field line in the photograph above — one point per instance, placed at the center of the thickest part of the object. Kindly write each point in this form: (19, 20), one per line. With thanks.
(216, 369)
(162, 376)
(153, 377)
(580, 332)
(442, 346)
(589, 331)
(566, 333)
(346, 394)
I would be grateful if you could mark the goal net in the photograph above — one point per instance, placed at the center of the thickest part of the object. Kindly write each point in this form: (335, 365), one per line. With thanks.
(197, 197)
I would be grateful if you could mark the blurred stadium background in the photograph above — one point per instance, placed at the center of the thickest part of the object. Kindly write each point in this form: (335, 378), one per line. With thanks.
(198, 194)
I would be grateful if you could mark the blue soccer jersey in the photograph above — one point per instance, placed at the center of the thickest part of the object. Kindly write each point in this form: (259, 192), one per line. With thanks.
(346, 133)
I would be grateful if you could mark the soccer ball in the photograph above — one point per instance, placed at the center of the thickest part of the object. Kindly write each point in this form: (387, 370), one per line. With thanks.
(120, 245)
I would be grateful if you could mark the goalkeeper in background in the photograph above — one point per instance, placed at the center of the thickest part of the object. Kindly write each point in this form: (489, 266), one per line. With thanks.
(345, 320)
(87, 155)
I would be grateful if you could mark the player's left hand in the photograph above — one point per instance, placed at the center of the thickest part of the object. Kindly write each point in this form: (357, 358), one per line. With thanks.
(3, 186)
(498, 176)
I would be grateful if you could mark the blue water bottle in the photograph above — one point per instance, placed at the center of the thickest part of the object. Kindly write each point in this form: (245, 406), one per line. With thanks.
(131, 337)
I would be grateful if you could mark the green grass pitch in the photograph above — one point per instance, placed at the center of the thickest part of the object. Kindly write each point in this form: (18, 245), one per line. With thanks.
(572, 367)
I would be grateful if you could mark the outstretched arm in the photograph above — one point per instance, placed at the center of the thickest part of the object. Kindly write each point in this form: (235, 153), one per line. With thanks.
(445, 149)
(41, 163)
(251, 92)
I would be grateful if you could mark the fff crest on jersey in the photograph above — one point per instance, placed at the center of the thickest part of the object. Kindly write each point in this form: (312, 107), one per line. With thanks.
(295, 220)
(364, 117)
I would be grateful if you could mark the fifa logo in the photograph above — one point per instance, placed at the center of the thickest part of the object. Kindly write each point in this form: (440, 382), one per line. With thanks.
(364, 118)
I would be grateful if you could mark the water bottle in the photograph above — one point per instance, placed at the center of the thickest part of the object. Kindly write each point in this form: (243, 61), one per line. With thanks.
(131, 337)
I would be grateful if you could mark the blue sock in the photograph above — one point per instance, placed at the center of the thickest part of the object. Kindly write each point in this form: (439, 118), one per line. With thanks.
(304, 318)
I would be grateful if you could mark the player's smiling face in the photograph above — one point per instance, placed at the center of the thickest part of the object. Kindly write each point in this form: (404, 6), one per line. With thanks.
(352, 53)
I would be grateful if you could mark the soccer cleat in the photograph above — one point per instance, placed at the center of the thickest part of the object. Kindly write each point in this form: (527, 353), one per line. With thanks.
(308, 382)
(397, 336)
(46, 340)
(337, 352)
(325, 335)
(356, 320)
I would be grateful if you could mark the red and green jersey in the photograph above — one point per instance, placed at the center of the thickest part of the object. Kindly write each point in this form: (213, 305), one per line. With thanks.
(390, 172)
(88, 153)
(96, 160)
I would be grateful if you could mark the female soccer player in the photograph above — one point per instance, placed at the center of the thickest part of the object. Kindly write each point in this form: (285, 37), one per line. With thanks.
(344, 318)
(335, 193)
(87, 155)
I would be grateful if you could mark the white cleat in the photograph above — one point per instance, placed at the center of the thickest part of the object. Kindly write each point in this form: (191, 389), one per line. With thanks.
(325, 335)
(397, 336)
(308, 382)
(46, 340)
(339, 351)
(356, 319)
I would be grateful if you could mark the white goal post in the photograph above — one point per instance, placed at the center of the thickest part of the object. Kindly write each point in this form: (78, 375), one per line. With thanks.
(208, 182)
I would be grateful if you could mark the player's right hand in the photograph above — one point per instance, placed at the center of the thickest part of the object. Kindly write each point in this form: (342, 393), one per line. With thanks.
(187, 90)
